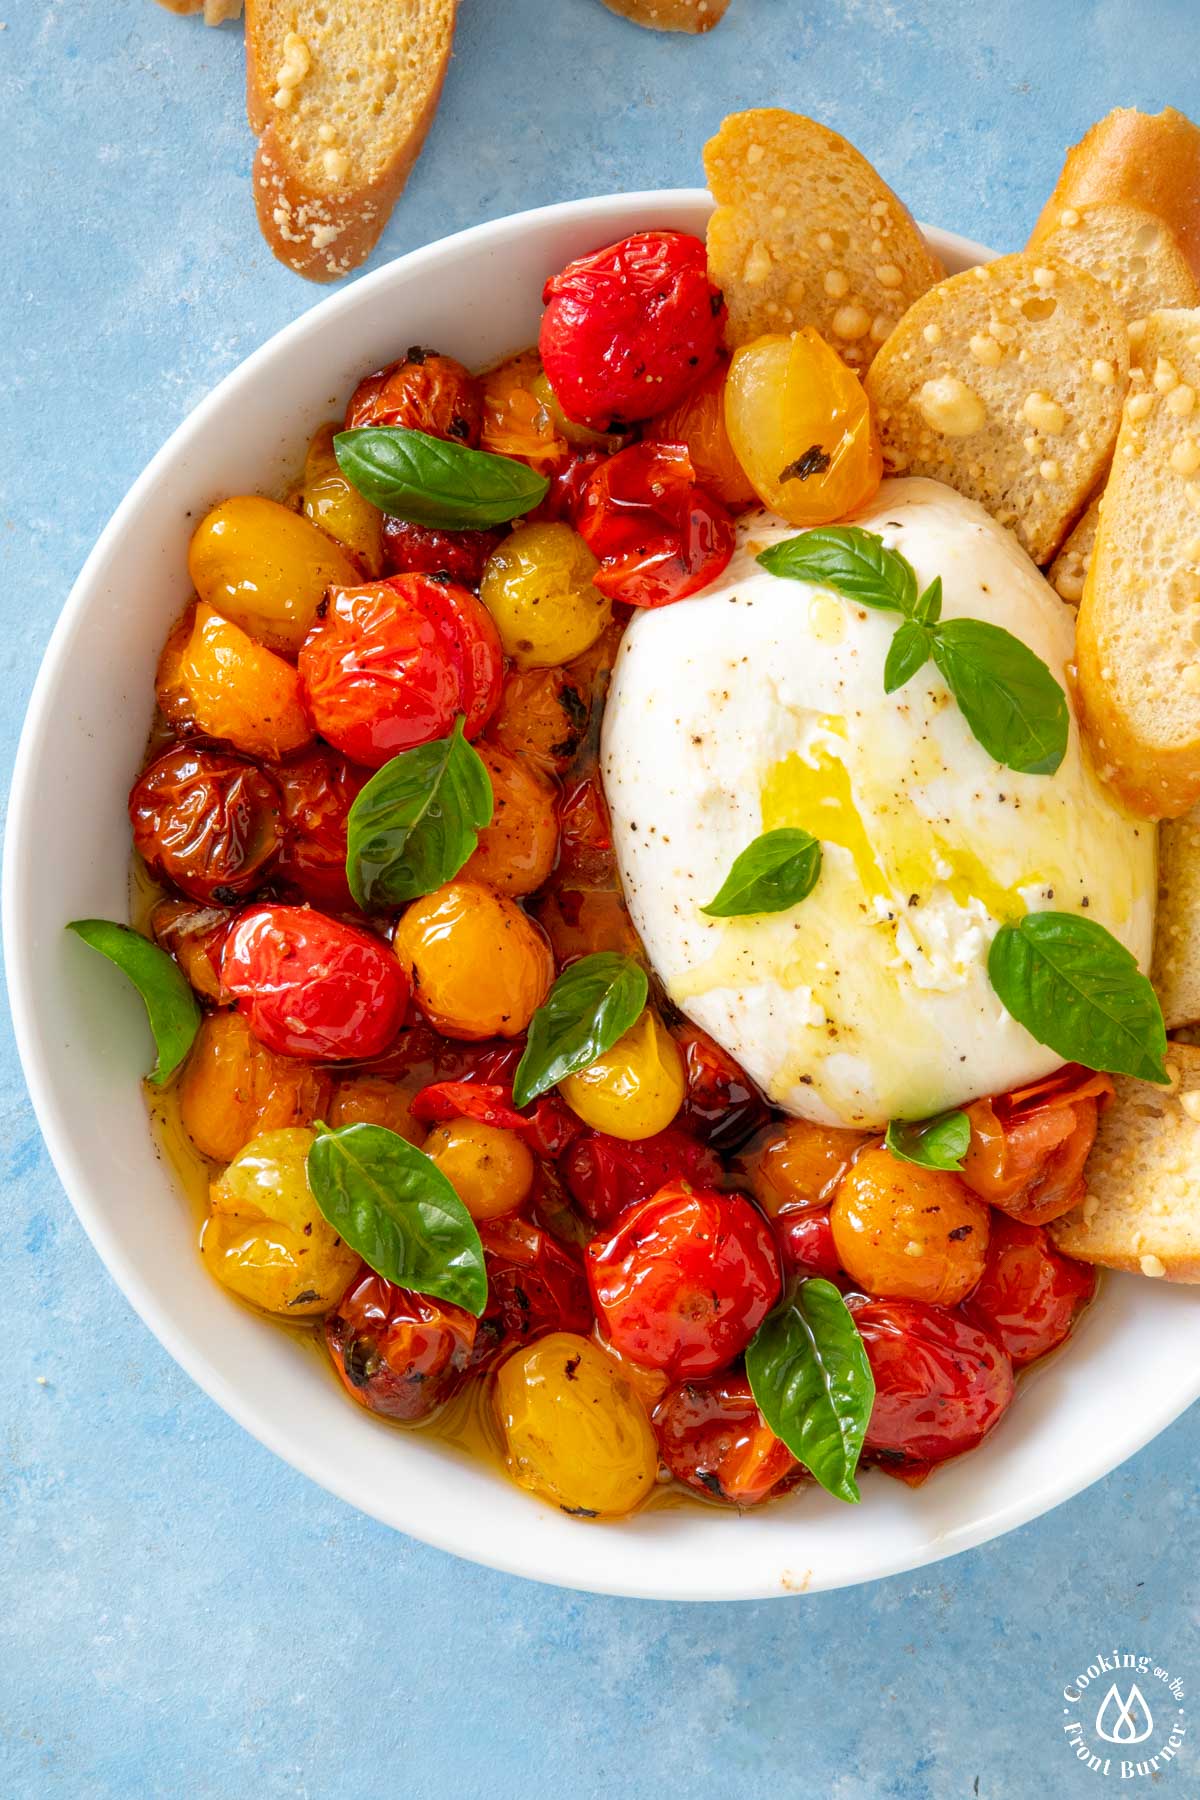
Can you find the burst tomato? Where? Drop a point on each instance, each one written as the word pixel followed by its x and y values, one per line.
pixel 421 550
pixel 941 1383
pixel 391 664
pixel 685 1279
pixel 398 1353
pixel 312 987
pixel 1028 1148
pixel 318 791
pixel 535 1284
pixel 713 1438
pixel 605 1174
pixel 628 329
pixel 658 535
pixel 423 392
pixel 194 936
pixel 805 1238
pixel 209 821
pixel 722 1104
pixel 1029 1293
pixel 568 477
pixel 585 845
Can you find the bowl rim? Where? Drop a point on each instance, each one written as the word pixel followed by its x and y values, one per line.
pixel 16 904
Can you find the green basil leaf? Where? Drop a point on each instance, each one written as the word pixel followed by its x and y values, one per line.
pixel 171 1006
pixel 1007 695
pixel 435 481
pixel 907 652
pixel 391 1203
pixel 939 1143
pixel 774 872
pixel 812 1383
pixel 416 822
pixel 848 559
pixel 1076 989
pixel 590 1006
pixel 928 609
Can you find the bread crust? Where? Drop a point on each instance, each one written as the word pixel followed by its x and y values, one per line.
pixel 670 15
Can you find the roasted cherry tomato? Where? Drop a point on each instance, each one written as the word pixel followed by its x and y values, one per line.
pixel 579 921
pixel 940 1382
pixel 516 852
pixel 398 1353
pixel 194 936
pixel 1028 1148
pixel 333 503
pixel 392 664
pixel 908 1232
pixel 375 1100
pixel 319 788
pixel 585 856
pixel 232 1088
pixel 568 477
pixel 805 1238
pixel 265 1236
pixel 658 535
pixel 420 550
pixel 628 329
pixel 480 966
pixel 208 821
pixel 227 686
pixel 423 392
pixel 633 1089
pixel 490 1170
pixel 698 423
pixel 266 568
pixel 685 1279
pixel 543 716
pixel 713 1438
pixel 517 420
pixel 538 586
pixel 535 1283
pixel 1029 1294
pixel 605 1174
pixel 722 1104
pixel 797 1163
pixel 574 1429
pixel 312 987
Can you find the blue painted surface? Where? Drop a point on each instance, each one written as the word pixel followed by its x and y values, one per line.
pixel 180 1614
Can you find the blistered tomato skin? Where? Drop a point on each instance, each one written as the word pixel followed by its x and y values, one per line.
pixel 266 568
pixel 235 689
pixel 574 1430
pixel 490 1170
pixel 543 716
pixel 907 1232
pixel 632 1090
pixel 398 1353
pixel 604 1175
pixel 712 1438
pixel 659 536
pixel 628 329
pixel 805 1238
pixel 194 936
pixel 538 586
pixel 1028 1149
pixel 685 1279
pixel 586 857
pixel 698 423
pixel 312 987
pixel 941 1383
pixel 480 966
pixel 374 1100
pixel 517 421
pixel 389 666
pixel 798 1163
pixel 580 921
pixel 208 821
pixel 516 852
pixel 337 507
pixel 421 550
pixel 722 1104
pixel 535 1284
pixel 422 392
pixel 265 1236
pixel 1029 1295
pixel 232 1087
pixel 318 787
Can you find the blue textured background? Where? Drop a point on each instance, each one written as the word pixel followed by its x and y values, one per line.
pixel 180 1614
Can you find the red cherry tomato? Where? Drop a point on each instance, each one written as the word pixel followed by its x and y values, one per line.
pixel 1029 1293
pixel 423 392
pixel 312 987
pixel 628 329
pixel 318 789
pixel 605 1174
pixel 685 1280
pixel 805 1239
pixel 547 1126
pixel 940 1382
pixel 390 665
pixel 398 1353
pixel 713 1438
pixel 659 536
pixel 568 479
pixel 535 1283
pixel 1028 1148
pixel 585 845
pixel 420 550
pixel 722 1104
pixel 209 821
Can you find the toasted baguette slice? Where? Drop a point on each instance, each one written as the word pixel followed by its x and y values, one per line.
pixel 341 95
pixel 1142 1209
pixel 1068 572
pixel 806 233
pixel 1176 971
pixel 670 15
pixel 1138 640
pixel 1006 383
pixel 1127 209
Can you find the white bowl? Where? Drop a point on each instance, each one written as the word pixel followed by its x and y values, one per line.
pixel 1135 1361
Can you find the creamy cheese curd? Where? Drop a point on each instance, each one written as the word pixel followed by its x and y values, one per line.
pixel 760 703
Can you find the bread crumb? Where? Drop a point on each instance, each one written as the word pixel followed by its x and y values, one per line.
pixel 1153 1266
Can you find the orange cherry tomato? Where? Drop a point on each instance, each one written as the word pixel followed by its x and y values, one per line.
pixel 516 852
pixel 798 1163
pixel 480 966
pixel 698 423
pixel 516 419
pixel 1028 1148
pixel 237 690
pixel 423 392
pixel 543 715
pixel 908 1232
pixel 233 1088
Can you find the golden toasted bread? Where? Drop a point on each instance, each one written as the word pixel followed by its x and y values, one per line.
pixel 1142 1208
pixel 806 233
pixel 1068 572
pixel 341 96
pixel 670 15
pixel 1176 971
pixel 1006 383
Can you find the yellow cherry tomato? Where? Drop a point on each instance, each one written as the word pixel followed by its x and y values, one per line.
pixel 634 1089
pixel 266 1237
pixel 574 1430
pixel 480 966
pixel 907 1233
pixel 800 425
pixel 537 585
pixel 490 1170
pixel 581 436
pixel 515 421
pixel 266 568
pixel 233 1087
pixel 339 509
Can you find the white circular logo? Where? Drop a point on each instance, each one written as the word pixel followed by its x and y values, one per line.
pixel 1125 1716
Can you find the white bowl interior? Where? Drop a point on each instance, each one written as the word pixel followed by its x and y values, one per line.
pixel 1135 1362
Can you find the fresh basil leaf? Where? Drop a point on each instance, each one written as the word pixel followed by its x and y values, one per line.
pixel 928 609
pixel 848 559
pixel 391 1203
pixel 774 872
pixel 171 1006
pixel 939 1143
pixel 1076 989
pixel 435 481
pixel 907 652
pixel 590 1006
pixel 812 1383
pixel 416 822
pixel 1007 695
